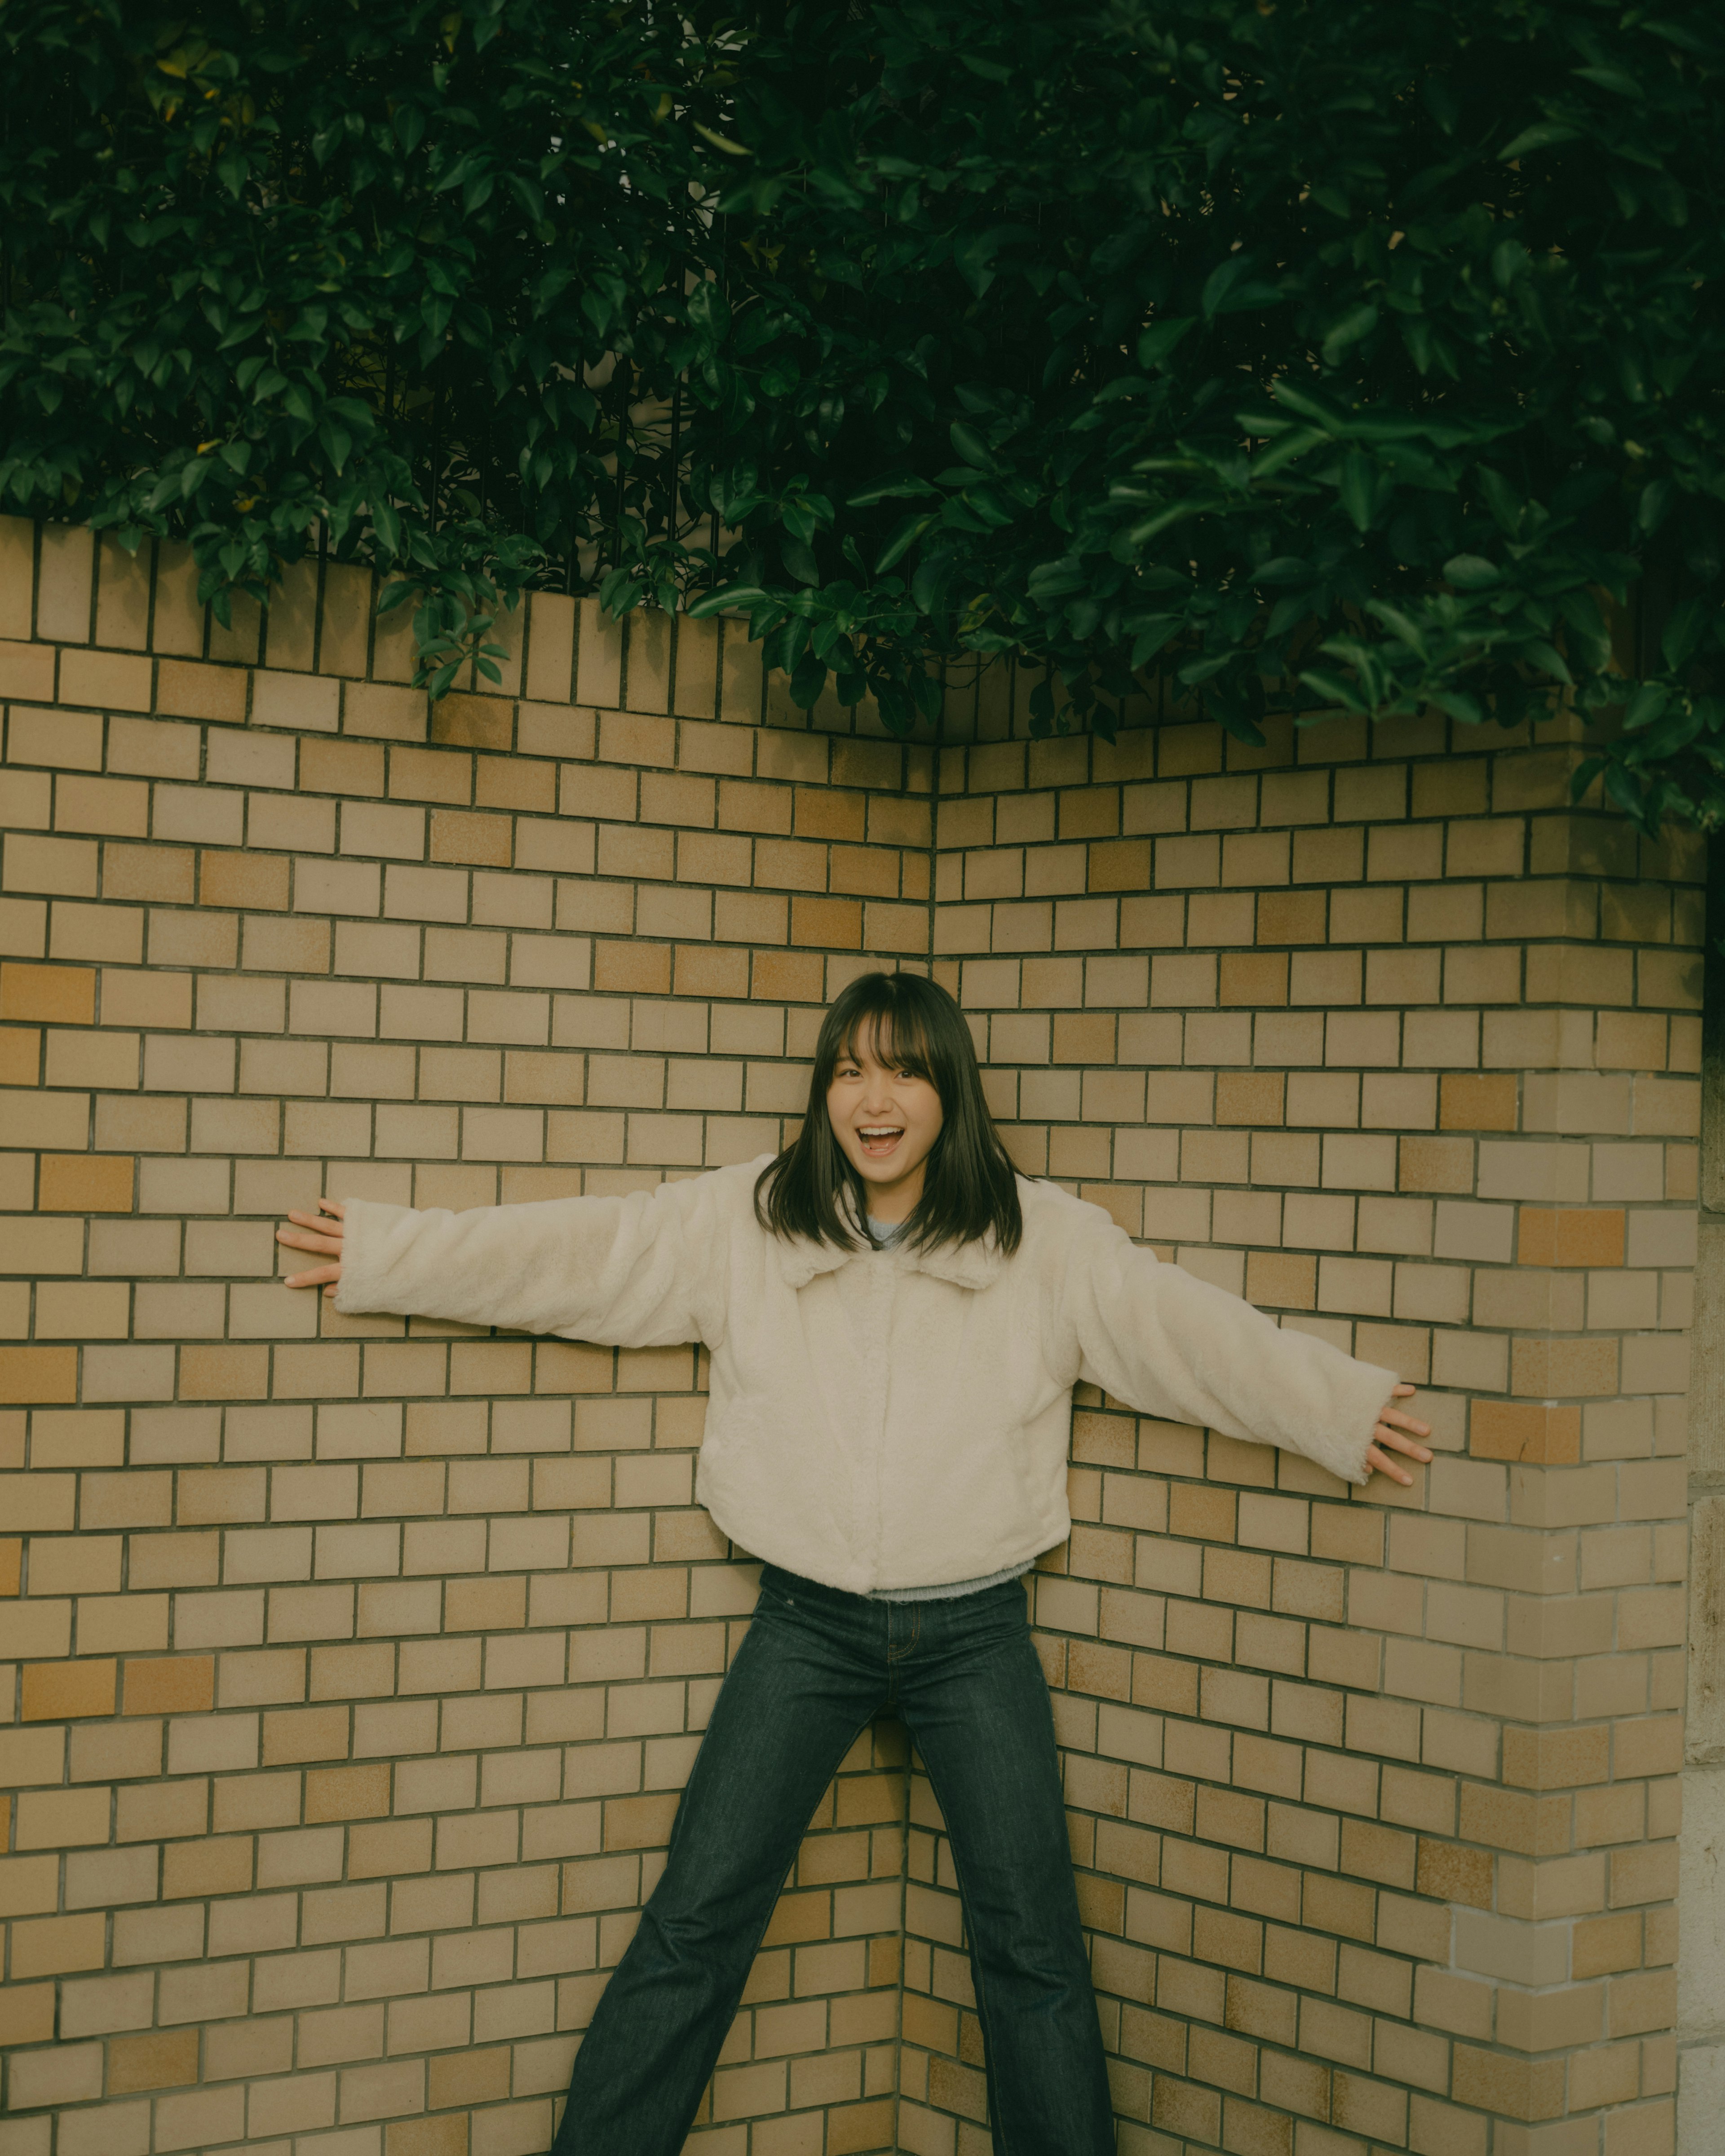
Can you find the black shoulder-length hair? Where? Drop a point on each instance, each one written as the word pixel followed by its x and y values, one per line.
pixel 970 1187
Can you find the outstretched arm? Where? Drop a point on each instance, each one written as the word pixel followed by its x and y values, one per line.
pixel 1169 1344
pixel 647 1270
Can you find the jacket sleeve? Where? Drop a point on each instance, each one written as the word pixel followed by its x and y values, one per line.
pixel 1170 1345
pixel 647 1270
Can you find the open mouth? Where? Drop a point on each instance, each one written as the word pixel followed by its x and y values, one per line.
pixel 877 1139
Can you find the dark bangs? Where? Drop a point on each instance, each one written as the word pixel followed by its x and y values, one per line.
pixel 969 1187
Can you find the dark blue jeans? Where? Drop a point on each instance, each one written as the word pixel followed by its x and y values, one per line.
pixel 816 1667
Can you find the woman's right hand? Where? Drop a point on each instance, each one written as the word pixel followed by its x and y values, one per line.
pixel 313 1231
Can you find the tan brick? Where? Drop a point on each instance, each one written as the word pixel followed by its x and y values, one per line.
pixel 259 882
pixel 52 995
pixel 471 836
pixel 60 1691
pixel 193 690
pixel 164 873
pixel 177 1684
pixel 1259 978
pixel 86 1182
pixel 1451 1873
pixel 26 672
pixel 165 2058
pixel 1570 1236
pixel 1549 1437
pixel 465 721
pixel 37 1377
pixel 1477 1101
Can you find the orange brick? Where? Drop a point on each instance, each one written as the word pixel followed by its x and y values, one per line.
pixel 53 995
pixel 37 1377
pixel 165 2058
pixel 825 813
pixel 67 1692
pixel 462 721
pixel 852 2128
pixel 1282 1279
pixel 1292 916
pixel 12 1560
pixel 1542 1436
pixel 444 2135
pixel 468 2077
pixel 1451 1873
pixel 86 1182
pixel 787 977
pixel 27 2014
pixel 258 882
pixel 27 669
pixel 470 835
pixel 20 1055
pixel 635 969
pixel 833 924
pixel 1253 977
pixel 1470 1101
pixel 171 1684
pixel 1571 1235
pixel 194 689
pixel 1249 1097
pixel 1124 865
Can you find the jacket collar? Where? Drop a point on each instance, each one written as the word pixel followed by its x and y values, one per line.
pixel 965 1265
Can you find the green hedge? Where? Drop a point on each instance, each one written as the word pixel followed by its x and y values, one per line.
pixel 1312 352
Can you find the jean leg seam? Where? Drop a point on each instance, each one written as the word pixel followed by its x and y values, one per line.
pixel 761 1929
pixel 995 2128
pixel 1002 2147
pixel 767 1920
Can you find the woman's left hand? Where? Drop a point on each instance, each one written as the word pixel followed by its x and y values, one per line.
pixel 1397 1432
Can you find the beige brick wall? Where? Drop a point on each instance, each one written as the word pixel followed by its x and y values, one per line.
pixel 1375 1805
pixel 1701 1970
pixel 352 1666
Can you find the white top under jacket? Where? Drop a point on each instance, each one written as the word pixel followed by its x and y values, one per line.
pixel 878 1419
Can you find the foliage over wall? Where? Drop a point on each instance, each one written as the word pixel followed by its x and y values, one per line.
pixel 1310 351
pixel 304 271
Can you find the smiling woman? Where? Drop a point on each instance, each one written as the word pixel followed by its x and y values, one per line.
pixel 907 1133
pixel 890 1429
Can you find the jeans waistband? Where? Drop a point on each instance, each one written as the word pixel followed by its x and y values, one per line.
pixel 839 1598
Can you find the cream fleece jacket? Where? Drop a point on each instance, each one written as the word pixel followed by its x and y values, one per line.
pixel 878 1419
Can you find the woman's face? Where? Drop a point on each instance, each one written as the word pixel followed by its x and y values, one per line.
pixel 887 1120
